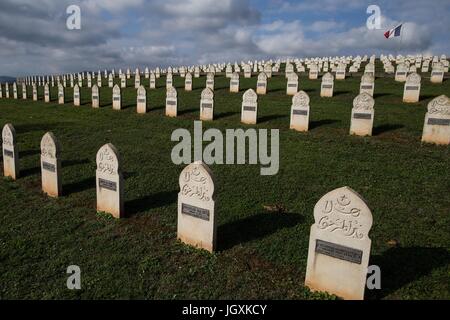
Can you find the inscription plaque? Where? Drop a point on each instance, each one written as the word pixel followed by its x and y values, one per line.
pixel 292 85
pixel 438 122
pixel 195 211
pixel 412 88
pixel 171 102
pixel 247 108
pixel 110 185
pixel 365 116
pixel 338 251
pixel 141 100
pixel 206 105
pixel 327 86
pixel 48 166
pixel 261 85
pixel 366 87
pixel 300 112
pixel 8 153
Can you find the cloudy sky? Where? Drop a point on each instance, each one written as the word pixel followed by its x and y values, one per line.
pixel 139 33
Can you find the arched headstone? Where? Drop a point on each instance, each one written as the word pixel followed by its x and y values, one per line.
pixel 210 80
pixel 437 74
pixel 234 82
pixel 50 165
pixel 109 181
pixel 15 90
pixel 152 81
pixel 249 113
pixel 327 86
pixel 292 84
pixel 35 92
pixel 10 152
pixel 47 93
pixel 137 81
pixel 196 207
pixel 141 100
pixel 340 72
pixel 76 95
pixel 188 82
pixel 313 72
pixel 367 84
pixel 401 73
pixel 169 80
pixel 261 84
pixel 436 128
pixel 95 97
pixel 339 245
pixel 207 104
pixel 362 115
pixel 171 102
pixel 110 80
pixel 411 92
pixel 24 91
pixel 117 98
pixel 300 112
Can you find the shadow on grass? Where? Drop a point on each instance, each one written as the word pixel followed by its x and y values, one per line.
pixel 156 200
pixel 271 117
pixel 340 93
pixel 29 172
pixel 186 111
pixel 386 127
pixel 79 186
pixel 69 163
pixel 254 227
pixel 319 123
pixel 380 95
pixel 26 153
pixel 401 266
pixel 28 127
pixel 225 115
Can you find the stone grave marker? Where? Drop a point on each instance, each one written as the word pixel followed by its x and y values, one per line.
pixel 51 165
pixel 401 73
pixel 152 81
pixel 261 84
pixel 35 92
pixel 109 181
pixel 411 92
pixel 234 82
pixel 117 98
pixel 210 80
pixel 367 84
pixel 10 152
pixel 196 207
pixel 362 115
pixel 300 111
pixel 61 94
pixel 292 84
pixel 171 102
pixel 207 104
pixel 339 245
pixel 327 86
pixel 249 113
pixel 141 100
pixel 437 74
pixel 188 82
pixel 95 97
pixel 436 128
pixel 76 95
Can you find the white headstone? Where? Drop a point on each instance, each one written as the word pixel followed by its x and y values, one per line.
pixel 300 111
pixel 210 80
pixel 261 84
pixel 362 115
pixel 339 245
pixel 292 84
pixel 95 97
pixel 60 94
pixel 436 128
pixel 367 84
pixel 188 82
pixel 437 74
pixel 10 152
pixel 76 95
pixel 196 215
pixel 327 86
pixel 35 92
pixel 401 73
pixel 171 102
pixel 117 98
pixel 51 165
pixel 169 80
pixel 207 104
pixel 234 82
pixel 411 92
pixel 249 113
pixel 24 91
pixel 141 100
pixel 109 181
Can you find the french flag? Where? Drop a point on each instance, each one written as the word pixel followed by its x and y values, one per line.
pixel 395 32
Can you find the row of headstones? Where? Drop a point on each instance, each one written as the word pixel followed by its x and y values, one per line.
pixel 436 127
pixel 339 247
pixel 411 88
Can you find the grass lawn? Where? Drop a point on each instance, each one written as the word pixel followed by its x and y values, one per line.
pixel 260 254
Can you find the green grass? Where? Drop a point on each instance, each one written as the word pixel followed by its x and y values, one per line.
pixel 261 254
